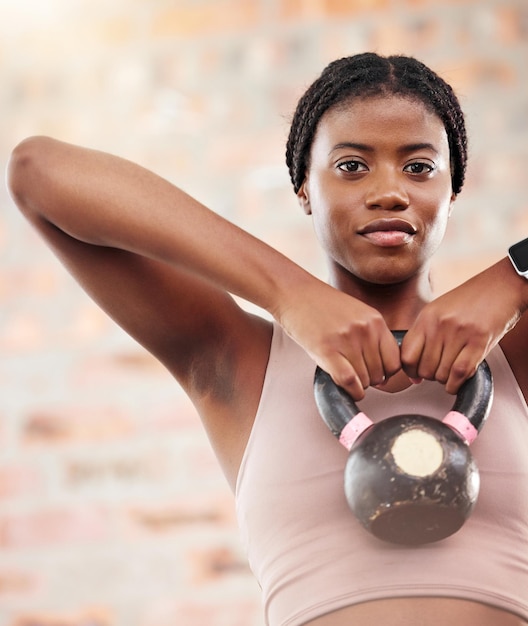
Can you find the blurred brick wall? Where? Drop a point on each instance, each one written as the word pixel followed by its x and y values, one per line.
pixel 113 511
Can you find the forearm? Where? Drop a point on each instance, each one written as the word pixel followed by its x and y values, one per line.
pixel 455 332
pixel 108 201
pixel 505 292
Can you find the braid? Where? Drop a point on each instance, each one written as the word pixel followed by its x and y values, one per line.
pixel 332 87
pixel 417 80
pixel 366 75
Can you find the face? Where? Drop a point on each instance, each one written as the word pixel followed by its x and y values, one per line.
pixel 379 189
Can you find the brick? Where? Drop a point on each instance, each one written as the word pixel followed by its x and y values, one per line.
pixel 190 612
pixel 202 463
pixel 118 471
pixel 32 281
pixel 53 527
pixel 309 9
pixel 512 24
pixel 76 424
pixel 208 565
pixel 18 480
pixel 342 8
pixel 469 75
pixel 520 223
pixel 117 30
pixel 4 442
pixel 245 152
pixel 167 518
pixel 117 369
pixel 192 19
pixel 451 273
pixel 300 9
pixel 83 617
pixel 179 418
pixel 418 4
pixel 394 36
pixel 17 582
pixel 22 331
pixel 87 322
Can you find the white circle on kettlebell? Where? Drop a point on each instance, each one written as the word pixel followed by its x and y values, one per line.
pixel 417 453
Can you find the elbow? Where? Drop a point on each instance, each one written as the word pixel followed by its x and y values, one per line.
pixel 22 171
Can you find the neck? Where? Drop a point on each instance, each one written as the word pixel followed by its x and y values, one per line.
pixel 399 303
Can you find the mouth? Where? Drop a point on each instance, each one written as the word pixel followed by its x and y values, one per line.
pixel 388 232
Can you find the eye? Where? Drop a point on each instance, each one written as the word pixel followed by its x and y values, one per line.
pixel 352 167
pixel 419 168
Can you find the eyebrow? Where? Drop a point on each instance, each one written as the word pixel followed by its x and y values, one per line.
pixel 362 147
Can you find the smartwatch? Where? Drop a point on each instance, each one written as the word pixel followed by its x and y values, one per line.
pixel 518 254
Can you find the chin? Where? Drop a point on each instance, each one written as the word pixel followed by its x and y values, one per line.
pixel 386 273
pixel 387 279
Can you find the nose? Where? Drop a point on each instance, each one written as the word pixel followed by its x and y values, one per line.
pixel 387 191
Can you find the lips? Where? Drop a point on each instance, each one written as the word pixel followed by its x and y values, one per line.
pixel 388 232
pixel 388 225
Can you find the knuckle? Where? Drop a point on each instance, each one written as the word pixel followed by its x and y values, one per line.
pixel 348 379
pixel 377 379
pixel 352 385
pixel 442 376
pixel 427 372
pixel 407 362
pixel 392 368
pixel 461 370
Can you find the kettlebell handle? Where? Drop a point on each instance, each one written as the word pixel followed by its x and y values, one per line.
pixel 347 422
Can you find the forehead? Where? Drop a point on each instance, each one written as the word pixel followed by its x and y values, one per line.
pixel 381 119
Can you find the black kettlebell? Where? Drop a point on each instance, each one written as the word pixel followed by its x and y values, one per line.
pixel 409 479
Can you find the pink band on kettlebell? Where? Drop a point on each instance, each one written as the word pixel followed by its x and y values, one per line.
pixel 357 425
pixel 463 427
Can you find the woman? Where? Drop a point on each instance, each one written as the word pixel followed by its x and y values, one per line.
pixel 377 155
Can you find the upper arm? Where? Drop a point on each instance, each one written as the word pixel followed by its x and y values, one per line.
pixel 129 238
pixel 217 351
pixel 195 329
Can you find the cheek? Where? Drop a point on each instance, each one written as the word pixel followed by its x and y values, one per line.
pixel 333 213
pixel 437 228
pixel 331 227
pixel 323 218
pixel 323 229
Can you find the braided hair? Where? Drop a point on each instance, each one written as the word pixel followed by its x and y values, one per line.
pixel 369 74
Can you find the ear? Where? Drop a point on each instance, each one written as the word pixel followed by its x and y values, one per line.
pixel 304 198
pixel 451 203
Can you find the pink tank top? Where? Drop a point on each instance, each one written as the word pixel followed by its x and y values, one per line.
pixel 305 547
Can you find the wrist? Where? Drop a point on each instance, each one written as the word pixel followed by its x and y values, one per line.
pixel 518 255
pixel 516 283
pixel 291 288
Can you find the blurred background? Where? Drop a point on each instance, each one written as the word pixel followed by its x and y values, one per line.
pixel 113 511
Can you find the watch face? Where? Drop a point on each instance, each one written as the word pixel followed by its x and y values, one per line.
pixel 519 255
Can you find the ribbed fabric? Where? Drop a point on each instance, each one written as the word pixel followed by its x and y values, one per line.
pixel 305 547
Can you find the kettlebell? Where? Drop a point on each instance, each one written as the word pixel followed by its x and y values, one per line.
pixel 409 479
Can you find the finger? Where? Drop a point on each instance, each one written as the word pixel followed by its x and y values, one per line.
pixel 434 361
pixel 390 355
pixel 412 348
pixel 464 366
pixel 373 361
pixel 450 353
pixel 430 358
pixel 345 375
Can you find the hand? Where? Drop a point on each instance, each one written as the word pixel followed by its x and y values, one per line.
pixel 455 332
pixel 347 338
